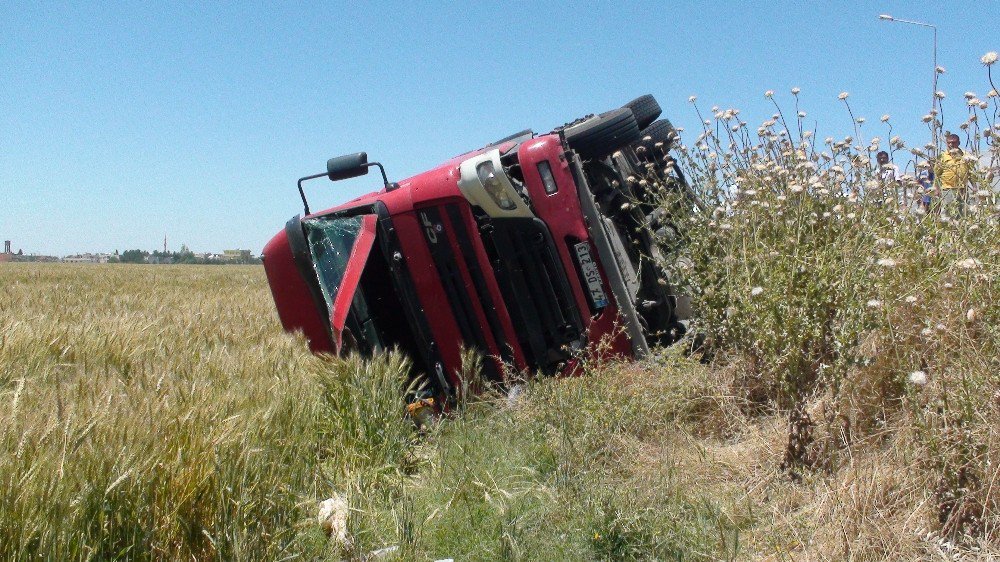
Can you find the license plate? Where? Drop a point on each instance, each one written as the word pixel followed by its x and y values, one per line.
pixel 591 275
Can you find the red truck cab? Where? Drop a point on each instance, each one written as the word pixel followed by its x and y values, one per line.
pixel 509 250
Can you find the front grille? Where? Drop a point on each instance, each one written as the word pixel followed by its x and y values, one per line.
pixel 449 267
pixel 535 289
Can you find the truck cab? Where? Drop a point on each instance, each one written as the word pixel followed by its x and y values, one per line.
pixel 526 251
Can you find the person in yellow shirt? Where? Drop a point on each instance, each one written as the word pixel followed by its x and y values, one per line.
pixel 952 174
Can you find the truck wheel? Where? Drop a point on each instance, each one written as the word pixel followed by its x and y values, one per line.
pixel 601 135
pixel 645 108
pixel 660 130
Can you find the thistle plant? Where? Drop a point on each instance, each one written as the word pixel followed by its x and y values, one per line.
pixel 831 287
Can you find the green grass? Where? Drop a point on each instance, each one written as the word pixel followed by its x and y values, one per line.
pixel 160 413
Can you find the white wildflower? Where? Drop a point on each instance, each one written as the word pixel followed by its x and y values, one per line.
pixel 927 118
pixel 769 94
pixel 970 95
pixel 939 70
pixel 968 263
pixel 971 315
pixel 926 332
pixel 802 114
pixel 989 58
pixel 911 299
pixel 843 96
pixel 796 90
pixel 756 291
pixel 885 118
pixel 860 120
pixel 693 99
pixel 918 378
pixel 874 303
pixel 939 95
pixel 887 262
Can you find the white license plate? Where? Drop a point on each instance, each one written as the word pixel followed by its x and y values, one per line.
pixel 590 274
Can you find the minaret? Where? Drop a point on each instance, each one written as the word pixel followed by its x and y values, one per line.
pixel 164 243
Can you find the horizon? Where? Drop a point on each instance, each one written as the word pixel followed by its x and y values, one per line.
pixel 128 123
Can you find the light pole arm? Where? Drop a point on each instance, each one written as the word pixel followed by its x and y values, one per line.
pixel 920 23
pixel 887 17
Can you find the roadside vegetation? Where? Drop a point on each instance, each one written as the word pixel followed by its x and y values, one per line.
pixel 836 400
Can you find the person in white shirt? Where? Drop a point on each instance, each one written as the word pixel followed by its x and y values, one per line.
pixel 891 178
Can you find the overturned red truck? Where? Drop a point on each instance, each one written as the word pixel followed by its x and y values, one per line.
pixel 527 250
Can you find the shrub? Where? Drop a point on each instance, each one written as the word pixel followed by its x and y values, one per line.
pixel 845 305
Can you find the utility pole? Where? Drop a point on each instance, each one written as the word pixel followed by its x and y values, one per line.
pixel 934 100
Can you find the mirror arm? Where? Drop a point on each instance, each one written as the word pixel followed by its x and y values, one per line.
pixel 302 193
pixel 385 178
pixel 305 204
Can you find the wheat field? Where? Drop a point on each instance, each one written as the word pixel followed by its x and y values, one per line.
pixel 151 412
pixel 160 413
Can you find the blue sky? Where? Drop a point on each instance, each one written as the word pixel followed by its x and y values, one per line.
pixel 124 122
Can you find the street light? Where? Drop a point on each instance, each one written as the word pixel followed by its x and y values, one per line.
pixel 887 17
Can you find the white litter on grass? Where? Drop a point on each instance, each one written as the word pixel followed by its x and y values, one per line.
pixel 333 518
pixel 918 378
pixel 514 394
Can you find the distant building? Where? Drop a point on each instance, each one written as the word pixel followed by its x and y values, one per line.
pixel 7 255
pixel 87 258
pixel 237 256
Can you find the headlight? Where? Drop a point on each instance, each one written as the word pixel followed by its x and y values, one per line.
pixel 484 183
pixel 487 175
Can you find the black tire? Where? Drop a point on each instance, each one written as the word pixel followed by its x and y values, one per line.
pixel 601 135
pixel 645 108
pixel 661 130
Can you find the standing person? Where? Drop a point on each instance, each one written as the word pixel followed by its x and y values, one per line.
pixel 891 178
pixel 953 174
pixel 926 180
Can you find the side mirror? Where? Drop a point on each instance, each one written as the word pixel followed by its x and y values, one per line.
pixel 347 166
